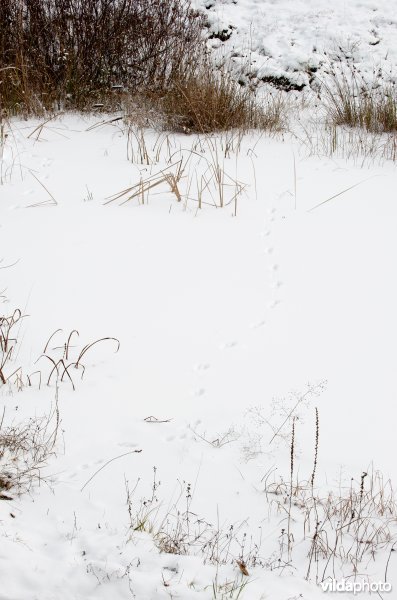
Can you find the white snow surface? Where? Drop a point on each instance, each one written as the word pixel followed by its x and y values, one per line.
pixel 294 40
pixel 223 320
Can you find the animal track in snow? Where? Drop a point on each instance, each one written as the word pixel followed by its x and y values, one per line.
pixel 258 324
pixel 127 445
pixel 47 162
pixel 202 367
pixel 274 303
pixel 198 392
pixel 227 345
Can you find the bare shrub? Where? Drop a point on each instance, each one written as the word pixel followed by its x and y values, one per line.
pixel 148 56
pixel 74 54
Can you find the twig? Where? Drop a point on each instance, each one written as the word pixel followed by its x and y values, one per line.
pixel 340 193
pixel 108 463
pixel 153 419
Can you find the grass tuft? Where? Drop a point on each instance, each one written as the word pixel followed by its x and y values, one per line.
pixel 209 100
pixel 351 100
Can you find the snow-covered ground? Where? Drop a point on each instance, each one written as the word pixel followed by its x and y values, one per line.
pixel 293 43
pixel 234 324
pixel 245 289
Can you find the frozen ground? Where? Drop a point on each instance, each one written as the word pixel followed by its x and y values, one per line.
pixel 225 322
pixel 293 43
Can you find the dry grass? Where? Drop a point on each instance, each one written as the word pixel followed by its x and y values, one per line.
pixel 343 530
pixel 363 148
pixel 66 357
pixel 346 532
pixel 356 118
pixel 177 529
pixel 194 175
pixel 61 358
pixel 25 449
pixel 26 446
pixel 209 100
pixel 150 60
pixel 9 326
pixel 229 589
pixel 351 100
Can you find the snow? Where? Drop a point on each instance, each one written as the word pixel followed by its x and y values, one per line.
pixel 224 323
pixel 295 40
pixel 235 322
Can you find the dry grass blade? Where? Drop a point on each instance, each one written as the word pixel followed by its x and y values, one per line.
pixel 51 202
pixel 88 346
pixel 173 183
pixel 104 122
pixel 340 193
pixel 49 339
pixel 108 463
pixel 67 345
pixel 153 419
pixel 144 186
pixel 38 130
